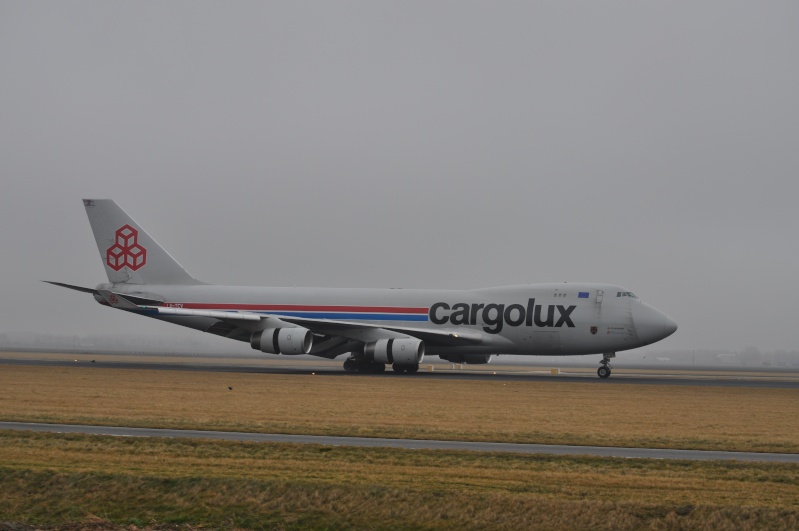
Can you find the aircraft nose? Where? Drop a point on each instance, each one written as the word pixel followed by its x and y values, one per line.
pixel 671 325
pixel 650 324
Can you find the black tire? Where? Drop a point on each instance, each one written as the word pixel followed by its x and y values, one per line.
pixel 350 365
pixel 413 368
pixel 603 372
pixel 398 368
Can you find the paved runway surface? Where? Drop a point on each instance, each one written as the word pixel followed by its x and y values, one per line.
pixel 535 374
pixel 646 453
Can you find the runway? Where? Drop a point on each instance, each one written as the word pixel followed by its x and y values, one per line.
pixel 334 369
pixel 409 444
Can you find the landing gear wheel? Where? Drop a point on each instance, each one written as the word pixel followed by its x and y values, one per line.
pixel 369 367
pixel 350 365
pixel 604 370
pixel 404 368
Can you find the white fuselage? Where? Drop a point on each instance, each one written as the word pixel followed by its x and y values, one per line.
pixel 536 319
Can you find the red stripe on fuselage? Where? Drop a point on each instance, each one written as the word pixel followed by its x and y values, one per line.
pixel 293 308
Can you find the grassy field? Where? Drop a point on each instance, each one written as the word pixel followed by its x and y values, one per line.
pixel 91 482
pixel 746 419
pixel 54 479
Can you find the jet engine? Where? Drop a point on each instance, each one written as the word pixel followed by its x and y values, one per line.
pixel 404 351
pixel 473 359
pixel 283 340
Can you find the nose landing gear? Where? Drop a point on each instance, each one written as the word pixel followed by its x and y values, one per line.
pixel 605 370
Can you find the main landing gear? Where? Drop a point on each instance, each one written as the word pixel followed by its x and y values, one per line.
pixel 398 368
pixel 604 370
pixel 353 364
pixel 356 365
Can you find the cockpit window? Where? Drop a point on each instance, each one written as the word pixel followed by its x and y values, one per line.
pixel 626 294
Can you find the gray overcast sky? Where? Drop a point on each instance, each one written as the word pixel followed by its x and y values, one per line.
pixel 410 144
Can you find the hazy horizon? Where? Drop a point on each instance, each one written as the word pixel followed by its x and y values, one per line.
pixel 412 144
pixel 125 344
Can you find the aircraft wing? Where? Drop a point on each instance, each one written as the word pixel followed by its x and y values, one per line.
pixel 216 314
pixel 123 303
pixel 347 329
pixel 371 332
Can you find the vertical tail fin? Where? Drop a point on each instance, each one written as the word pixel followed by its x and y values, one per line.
pixel 129 254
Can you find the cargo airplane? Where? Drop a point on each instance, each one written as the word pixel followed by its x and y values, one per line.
pixel 373 327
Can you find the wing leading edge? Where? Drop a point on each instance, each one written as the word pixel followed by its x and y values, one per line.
pixel 250 321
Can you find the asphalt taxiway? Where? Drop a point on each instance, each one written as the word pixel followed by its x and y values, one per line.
pixel 409 444
pixel 498 372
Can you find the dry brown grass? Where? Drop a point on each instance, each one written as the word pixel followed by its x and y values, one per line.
pixel 57 478
pixel 541 412
pixel 589 478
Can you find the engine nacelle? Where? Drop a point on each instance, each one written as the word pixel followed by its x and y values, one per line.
pixel 283 340
pixel 403 351
pixel 473 359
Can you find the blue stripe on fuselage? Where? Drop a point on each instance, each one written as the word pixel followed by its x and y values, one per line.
pixel 353 316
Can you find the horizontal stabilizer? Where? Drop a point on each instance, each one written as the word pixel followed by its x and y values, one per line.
pixel 70 286
pixel 135 299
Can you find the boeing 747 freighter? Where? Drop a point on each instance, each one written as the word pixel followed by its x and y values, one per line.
pixel 373 327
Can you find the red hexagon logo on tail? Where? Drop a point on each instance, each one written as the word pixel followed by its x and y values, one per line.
pixel 126 251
